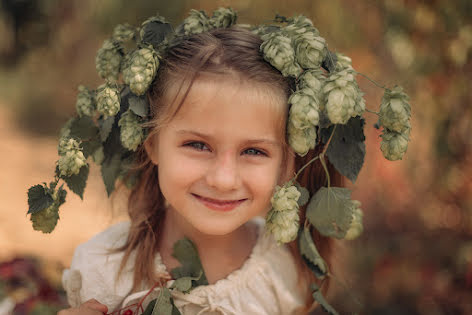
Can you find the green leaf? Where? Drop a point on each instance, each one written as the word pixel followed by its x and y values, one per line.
pixel 83 128
pixel 90 146
pixel 346 150
pixel 149 307
pixel 155 32
pixel 61 196
pixel 111 168
pixel 310 254
pixel 186 253
pixel 304 195
pixel 318 296
pixel 330 211
pixel 105 127
pixel 77 183
pixel 163 304
pixel 38 199
pixel 139 105
pixel 184 284
pixel 329 62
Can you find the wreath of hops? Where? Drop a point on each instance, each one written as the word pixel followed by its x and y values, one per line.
pixel 326 107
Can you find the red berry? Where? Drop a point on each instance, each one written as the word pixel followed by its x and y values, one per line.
pixel 128 312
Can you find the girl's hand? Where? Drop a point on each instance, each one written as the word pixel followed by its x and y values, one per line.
pixel 91 307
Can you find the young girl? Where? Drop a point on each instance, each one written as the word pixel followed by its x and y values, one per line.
pixel 228 111
pixel 209 168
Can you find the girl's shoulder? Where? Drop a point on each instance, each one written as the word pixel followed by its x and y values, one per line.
pixel 94 269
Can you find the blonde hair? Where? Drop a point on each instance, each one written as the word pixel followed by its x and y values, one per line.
pixel 230 52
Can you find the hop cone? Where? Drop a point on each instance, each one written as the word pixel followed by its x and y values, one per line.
pixel 298 26
pixel 131 134
pixel 313 79
pixel 344 62
pixel 395 110
pixel 283 225
pixel 282 220
pixel 45 220
pixel 278 51
pixel 394 144
pixel 71 157
pixel 304 112
pixel 285 198
pixel 356 227
pixel 223 18
pixel 108 100
pixel 108 60
pixel 85 103
pixel 343 97
pixel 301 140
pixel 123 33
pixel 310 50
pixel 196 22
pixel 141 70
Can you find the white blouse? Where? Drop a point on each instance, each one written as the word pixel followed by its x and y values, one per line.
pixel 265 284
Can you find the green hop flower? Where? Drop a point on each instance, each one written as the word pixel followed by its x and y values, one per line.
pixel 285 198
pixel 395 110
pixel 71 157
pixel 344 62
pixel 85 105
pixel 394 144
pixel 223 18
pixel 302 21
pixel 108 100
pixel 313 79
pixel 131 134
pixel 343 97
pixel 304 112
pixel 301 140
pixel 141 70
pixel 356 226
pixel 196 22
pixel 278 51
pixel 46 219
pixel 299 25
pixel 123 33
pixel 310 50
pixel 108 60
pixel 283 225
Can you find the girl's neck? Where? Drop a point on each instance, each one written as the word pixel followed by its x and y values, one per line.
pixel 220 255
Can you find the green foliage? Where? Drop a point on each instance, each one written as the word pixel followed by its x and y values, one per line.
pixel 184 284
pixel 155 30
pixel 139 105
pixel 304 195
pixel 77 183
pixel 318 296
pixel 106 125
pixel 111 168
pixel 38 198
pixel 330 211
pixel 310 254
pixel 346 151
pixel 186 253
pixel 83 128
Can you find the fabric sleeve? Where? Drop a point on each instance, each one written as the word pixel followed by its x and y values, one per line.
pixel 94 267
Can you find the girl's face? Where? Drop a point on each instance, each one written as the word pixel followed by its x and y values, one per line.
pixel 221 156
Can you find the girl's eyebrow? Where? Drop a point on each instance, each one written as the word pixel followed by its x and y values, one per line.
pixel 251 141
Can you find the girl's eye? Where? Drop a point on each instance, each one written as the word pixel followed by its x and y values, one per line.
pixel 253 151
pixel 200 146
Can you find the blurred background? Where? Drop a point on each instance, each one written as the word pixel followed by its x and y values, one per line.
pixel 415 256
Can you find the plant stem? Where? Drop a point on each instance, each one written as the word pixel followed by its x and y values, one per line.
pixel 377 84
pixel 371 111
pixel 304 166
pixel 323 162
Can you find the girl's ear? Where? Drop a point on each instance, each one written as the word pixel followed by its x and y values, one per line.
pixel 150 145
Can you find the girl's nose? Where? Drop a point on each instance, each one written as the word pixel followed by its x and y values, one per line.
pixel 223 174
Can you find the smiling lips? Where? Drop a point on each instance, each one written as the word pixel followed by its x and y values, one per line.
pixel 219 205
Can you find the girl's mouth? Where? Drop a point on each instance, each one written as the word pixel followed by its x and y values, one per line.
pixel 219 205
